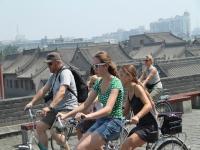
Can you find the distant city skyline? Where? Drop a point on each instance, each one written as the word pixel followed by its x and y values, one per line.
pixel 86 18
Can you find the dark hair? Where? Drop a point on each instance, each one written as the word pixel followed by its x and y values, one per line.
pixel 92 71
pixel 105 58
pixel 132 71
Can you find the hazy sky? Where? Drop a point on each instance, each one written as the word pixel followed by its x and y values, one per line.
pixel 86 18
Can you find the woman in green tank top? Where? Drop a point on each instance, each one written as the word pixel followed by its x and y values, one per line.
pixel 110 93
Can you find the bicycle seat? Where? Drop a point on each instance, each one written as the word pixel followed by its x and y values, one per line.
pixel 164 97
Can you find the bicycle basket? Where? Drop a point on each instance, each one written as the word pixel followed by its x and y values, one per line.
pixel 172 123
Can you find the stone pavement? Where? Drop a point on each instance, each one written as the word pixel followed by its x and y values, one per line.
pixel 191 125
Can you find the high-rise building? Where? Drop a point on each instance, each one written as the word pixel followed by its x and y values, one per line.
pixel 179 25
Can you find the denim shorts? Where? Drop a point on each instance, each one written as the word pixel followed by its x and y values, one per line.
pixel 107 127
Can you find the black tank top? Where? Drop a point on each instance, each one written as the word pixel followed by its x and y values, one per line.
pixel 136 106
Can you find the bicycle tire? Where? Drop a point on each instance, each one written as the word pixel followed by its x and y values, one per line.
pixel 172 144
pixel 163 107
pixel 66 133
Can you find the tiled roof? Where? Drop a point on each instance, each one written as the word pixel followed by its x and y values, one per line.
pixel 67 54
pixel 9 60
pixel 24 59
pixel 164 36
pixel 113 50
pixel 181 67
pixel 143 51
pixel 194 50
pixel 196 41
pixel 172 52
pixel 39 65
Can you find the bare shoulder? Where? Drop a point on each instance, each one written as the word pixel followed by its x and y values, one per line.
pixel 138 90
pixel 131 89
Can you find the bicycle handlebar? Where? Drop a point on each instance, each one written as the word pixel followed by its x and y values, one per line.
pixel 126 122
pixel 72 122
pixel 32 113
pixel 60 122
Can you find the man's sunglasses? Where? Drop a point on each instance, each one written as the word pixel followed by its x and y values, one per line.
pixel 95 66
pixel 49 64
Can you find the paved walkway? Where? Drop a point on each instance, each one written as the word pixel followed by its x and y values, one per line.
pixel 191 125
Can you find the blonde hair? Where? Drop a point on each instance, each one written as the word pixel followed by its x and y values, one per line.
pixel 149 57
pixel 92 80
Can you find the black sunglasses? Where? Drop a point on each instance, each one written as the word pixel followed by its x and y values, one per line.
pixel 49 64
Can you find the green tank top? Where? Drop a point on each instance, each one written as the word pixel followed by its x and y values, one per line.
pixel 103 97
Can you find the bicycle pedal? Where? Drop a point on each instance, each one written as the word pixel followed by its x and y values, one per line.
pixel 23 147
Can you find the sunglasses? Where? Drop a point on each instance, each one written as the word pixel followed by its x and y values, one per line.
pixel 49 64
pixel 95 66
pixel 146 60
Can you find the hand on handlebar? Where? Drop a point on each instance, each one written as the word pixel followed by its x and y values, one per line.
pixel 61 115
pixel 134 120
pixel 80 116
pixel 28 106
pixel 45 110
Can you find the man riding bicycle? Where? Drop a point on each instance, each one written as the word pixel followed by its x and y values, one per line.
pixel 61 99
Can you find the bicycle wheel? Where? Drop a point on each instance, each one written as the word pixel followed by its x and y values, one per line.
pixel 65 136
pixel 163 107
pixel 172 144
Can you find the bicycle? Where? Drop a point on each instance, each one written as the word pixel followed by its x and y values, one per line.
pixel 115 144
pixel 32 139
pixel 64 128
pixel 168 139
pixel 168 136
pixel 162 106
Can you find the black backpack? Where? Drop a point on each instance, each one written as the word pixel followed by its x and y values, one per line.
pixel 81 86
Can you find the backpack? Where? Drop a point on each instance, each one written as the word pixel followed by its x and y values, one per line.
pixel 81 86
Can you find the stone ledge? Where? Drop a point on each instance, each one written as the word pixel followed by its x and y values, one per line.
pixel 10 130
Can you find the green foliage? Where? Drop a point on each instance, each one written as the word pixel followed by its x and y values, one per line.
pixel 10 49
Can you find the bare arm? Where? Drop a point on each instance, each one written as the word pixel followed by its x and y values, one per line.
pixel 150 76
pixel 59 96
pixel 107 109
pixel 126 108
pixel 139 92
pixel 92 96
pixel 40 94
pixel 141 77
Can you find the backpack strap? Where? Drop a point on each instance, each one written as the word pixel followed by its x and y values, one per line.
pixel 68 88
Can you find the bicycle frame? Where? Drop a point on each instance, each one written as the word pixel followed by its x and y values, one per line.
pixel 33 137
pixel 115 144
pixel 64 128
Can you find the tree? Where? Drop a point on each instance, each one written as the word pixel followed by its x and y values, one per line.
pixel 10 49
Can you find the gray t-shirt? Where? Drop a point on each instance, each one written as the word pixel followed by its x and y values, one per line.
pixel 65 77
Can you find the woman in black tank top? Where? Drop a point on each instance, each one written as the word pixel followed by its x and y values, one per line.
pixel 139 101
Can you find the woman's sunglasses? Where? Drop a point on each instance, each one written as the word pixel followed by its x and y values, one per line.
pixel 95 66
